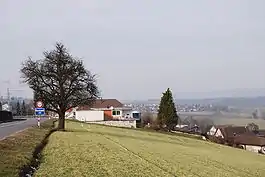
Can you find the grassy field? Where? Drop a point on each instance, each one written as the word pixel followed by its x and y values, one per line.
pixel 95 150
pixel 16 151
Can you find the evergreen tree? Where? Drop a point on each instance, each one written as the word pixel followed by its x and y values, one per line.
pixel 18 109
pixel 24 111
pixel 167 115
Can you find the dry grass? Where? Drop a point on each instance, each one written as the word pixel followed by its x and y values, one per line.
pixel 95 150
pixel 16 151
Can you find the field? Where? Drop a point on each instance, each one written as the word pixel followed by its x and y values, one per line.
pixel 94 150
pixel 240 122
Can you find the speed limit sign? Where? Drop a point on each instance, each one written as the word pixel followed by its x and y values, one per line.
pixel 39 104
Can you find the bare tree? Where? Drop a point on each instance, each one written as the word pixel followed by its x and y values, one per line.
pixel 205 124
pixel 60 81
pixel 147 118
pixel 253 127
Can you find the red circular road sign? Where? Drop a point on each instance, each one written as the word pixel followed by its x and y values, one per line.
pixel 39 104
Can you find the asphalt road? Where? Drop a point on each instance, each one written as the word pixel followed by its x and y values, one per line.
pixel 9 128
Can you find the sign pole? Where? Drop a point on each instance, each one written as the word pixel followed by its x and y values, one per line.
pixel 39 122
pixel 39 111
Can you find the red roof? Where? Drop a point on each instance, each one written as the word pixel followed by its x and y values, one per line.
pixel 103 103
pixel 231 131
pixel 247 139
pixel 69 110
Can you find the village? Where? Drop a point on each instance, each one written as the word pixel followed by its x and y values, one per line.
pixel 112 112
pixel 242 137
pixel 132 88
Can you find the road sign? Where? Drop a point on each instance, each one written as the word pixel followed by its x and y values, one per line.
pixel 40 111
pixel 39 104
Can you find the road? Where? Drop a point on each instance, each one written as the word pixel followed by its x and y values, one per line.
pixel 9 128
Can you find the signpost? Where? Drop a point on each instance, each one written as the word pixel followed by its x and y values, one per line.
pixel 39 104
pixel 39 111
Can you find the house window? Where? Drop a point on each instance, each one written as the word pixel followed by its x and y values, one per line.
pixel 136 115
pixel 116 113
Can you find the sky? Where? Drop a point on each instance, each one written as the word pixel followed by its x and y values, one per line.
pixel 140 48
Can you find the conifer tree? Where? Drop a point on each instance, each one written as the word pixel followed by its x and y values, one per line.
pixel 23 111
pixel 167 115
pixel 18 109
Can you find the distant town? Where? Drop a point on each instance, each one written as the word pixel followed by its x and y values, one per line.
pixel 230 107
pixel 187 107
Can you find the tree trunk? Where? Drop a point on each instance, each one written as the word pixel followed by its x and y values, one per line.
pixel 61 125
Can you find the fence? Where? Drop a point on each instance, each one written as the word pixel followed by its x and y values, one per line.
pixel 118 123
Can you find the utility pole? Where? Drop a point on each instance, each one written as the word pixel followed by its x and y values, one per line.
pixel 8 96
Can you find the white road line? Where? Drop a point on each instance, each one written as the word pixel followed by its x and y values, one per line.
pixel 9 125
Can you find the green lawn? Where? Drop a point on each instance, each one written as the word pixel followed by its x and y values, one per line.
pixel 95 150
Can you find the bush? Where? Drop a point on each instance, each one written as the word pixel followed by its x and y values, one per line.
pixel 215 139
pixel 17 151
pixel 147 119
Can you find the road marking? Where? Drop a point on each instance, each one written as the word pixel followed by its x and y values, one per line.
pixel 9 125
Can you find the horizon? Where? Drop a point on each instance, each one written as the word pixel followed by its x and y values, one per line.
pixel 261 93
pixel 140 48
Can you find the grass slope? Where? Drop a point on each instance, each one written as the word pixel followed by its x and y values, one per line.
pixel 95 150
pixel 17 150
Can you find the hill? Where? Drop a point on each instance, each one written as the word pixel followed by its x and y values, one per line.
pixel 95 150
pixel 238 102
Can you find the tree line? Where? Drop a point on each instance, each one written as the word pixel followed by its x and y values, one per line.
pixel 21 109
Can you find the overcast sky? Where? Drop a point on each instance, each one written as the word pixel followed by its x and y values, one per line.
pixel 138 48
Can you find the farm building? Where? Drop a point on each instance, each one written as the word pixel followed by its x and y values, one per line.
pixel 239 137
pixel 226 131
pixel 250 142
pixel 104 109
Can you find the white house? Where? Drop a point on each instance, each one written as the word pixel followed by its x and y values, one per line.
pixel 89 116
pixel 112 110
pixel 217 131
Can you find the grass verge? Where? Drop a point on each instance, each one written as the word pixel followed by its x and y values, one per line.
pixel 177 133
pixel 94 150
pixel 18 150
